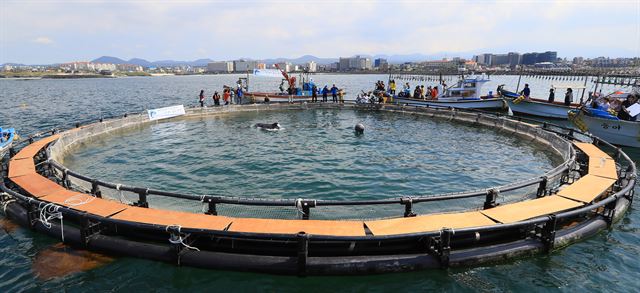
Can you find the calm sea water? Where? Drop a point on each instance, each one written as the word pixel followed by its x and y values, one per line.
pixel 330 162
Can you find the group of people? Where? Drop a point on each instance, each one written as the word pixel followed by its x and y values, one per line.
pixel 615 106
pixel 568 95
pixel 228 94
pixel 337 95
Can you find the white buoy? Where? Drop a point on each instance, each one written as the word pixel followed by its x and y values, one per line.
pixel 359 128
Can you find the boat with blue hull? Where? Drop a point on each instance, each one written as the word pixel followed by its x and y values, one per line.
pixel 465 94
pixel 7 137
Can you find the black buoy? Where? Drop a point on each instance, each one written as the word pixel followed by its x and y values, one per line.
pixel 359 128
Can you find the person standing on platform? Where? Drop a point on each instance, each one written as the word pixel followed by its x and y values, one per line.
pixel 314 94
pixel 226 96
pixel 240 95
pixel 216 99
pixel 392 87
pixel 334 93
pixel 434 93
pixel 568 97
pixel 552 95
pixel 201 98
pixel 325 92
pixel 341 96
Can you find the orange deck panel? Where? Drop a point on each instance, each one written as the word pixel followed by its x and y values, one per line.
pixel 603 167
pixel 37 185
pixel 591 150
pixel 86 203
pixel 317 227
pixel 166 218
pixel 520 211
pixel 428 223
pixel 31 150
pixel 19 168
pixel 587 188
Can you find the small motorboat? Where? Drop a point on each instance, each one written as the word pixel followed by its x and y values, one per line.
pixel 7 136
pixel 465 94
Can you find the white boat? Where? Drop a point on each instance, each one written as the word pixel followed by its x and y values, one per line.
pixel 538 108
pixel 465 94
pixel 610 129
pixel 6 140
pixel 535 107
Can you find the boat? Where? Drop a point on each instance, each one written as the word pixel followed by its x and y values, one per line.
pixel 297 89
pixel 535 107
pixel 605 124
pixel 7 137
pixel 465 94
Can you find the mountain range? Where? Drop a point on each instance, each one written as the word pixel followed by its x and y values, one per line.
pixel 393 59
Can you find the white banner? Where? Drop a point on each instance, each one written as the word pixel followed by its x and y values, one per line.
pixel 166 112
pixel 267 72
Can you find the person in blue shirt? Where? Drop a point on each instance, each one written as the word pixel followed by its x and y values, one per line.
pixel 240 95
pixel 325 92
pixel 334 93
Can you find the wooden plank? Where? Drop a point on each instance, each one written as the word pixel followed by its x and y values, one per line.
pixel 19 168
pixel 37 185
pixel 603 167
pixel 167 218
pixel 521 211
pixel 591 150
pixel 587 188
pixel 315 227
pixel 428 223
pixel 31 150
pixel 85 203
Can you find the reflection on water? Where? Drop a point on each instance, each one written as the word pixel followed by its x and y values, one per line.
pixel 60 260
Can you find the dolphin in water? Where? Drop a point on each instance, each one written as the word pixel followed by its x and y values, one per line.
pixel 268 126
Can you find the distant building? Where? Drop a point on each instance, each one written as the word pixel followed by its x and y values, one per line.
pixel 220 67
pixel 286 66
pixel 548 56
pixel 312 66
pixel 442 64
pixel 354 63
pixel 129 67
pixel 244 65
pixel 514 59
pixel 500 59
pixel 261 66
pixel 380 63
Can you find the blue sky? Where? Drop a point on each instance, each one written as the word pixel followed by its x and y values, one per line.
pixel 42 32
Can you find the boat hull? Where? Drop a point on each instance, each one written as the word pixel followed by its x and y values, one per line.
pixel 460 104
pixel 619 132
pixel 259 97
pixel 540 109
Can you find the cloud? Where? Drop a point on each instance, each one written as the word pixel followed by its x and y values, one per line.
pixel 222 30
pixel 43 40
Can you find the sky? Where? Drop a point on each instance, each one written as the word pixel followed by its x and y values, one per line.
pixel 45 32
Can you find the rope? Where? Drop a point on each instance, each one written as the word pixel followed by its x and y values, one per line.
pixel 204 205
pixel 299 207
pixel 121 196
pixel 177 237
pixel 49 212
pixel 77 200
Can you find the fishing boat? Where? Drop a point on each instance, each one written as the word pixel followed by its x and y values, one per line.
pixel 536 107
pixel 606 126
pixel 465 94
pixel 6 140
pixel 296 89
